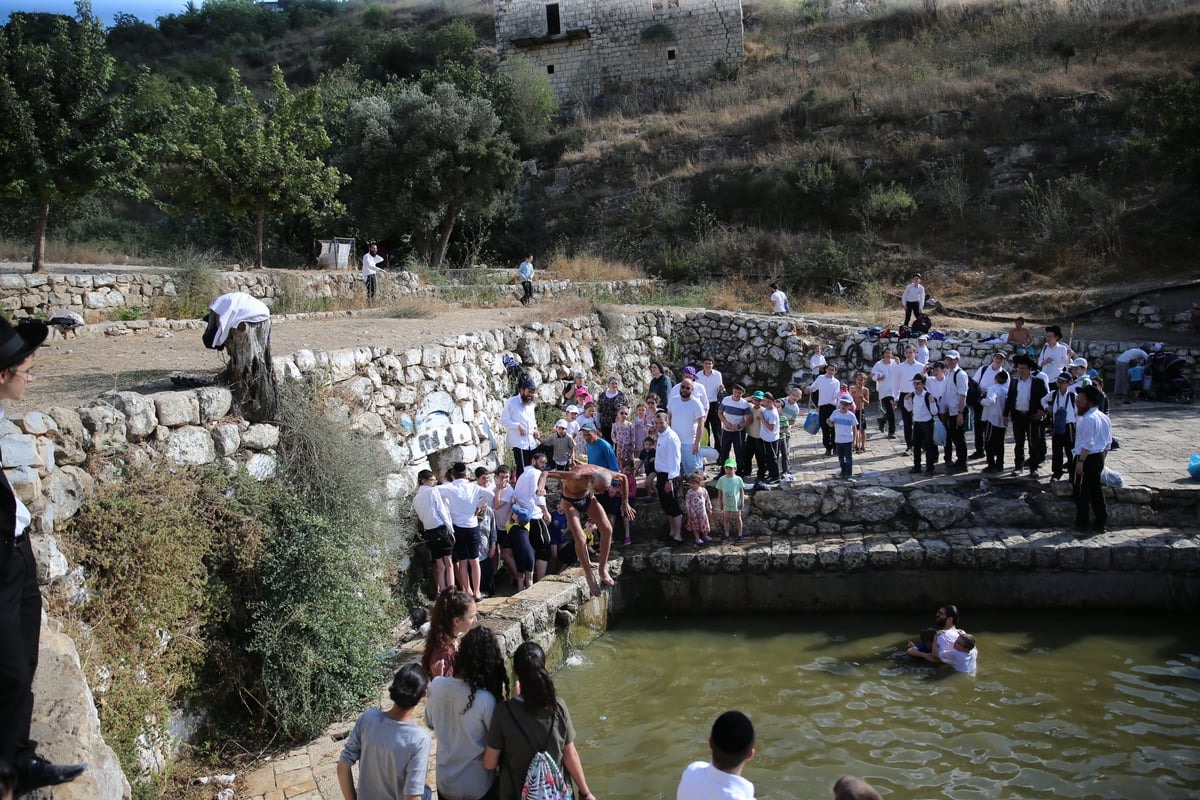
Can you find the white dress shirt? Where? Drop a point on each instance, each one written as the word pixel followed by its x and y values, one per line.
pixel 887 378
pixel 515 414
pixel 668 453
pixel 985 376
pixel 711 384
pixel 1061 400
pixel 698 393
pixel 827 390
pixel 915 293
pixel 922 411
pixel 463 497
pixel 526 494
pixel 906 373
pixel 431 508
pixel 370 264
pixel 993 404
pixel 1093 432
pixel 955 396
pixel 1058 356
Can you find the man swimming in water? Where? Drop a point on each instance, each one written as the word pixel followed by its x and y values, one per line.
pixel 579 489
pixel 939 639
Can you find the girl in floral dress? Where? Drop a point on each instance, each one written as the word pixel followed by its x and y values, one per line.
pixel 698 506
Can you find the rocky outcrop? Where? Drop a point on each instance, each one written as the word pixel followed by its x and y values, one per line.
pixel 66 724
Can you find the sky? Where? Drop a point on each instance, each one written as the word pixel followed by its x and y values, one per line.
pixel 105 10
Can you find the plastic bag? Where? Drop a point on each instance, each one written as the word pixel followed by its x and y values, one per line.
pixel 1110 477
pixel 1194 466
pixel 939 433
pixel 812 422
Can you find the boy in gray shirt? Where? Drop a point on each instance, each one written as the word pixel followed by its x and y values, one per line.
pixel 392 751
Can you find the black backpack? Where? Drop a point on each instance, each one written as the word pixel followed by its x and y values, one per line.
pixel 922 324
pixel 974 392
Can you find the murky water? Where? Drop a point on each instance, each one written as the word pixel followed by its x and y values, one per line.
pixel 1064 705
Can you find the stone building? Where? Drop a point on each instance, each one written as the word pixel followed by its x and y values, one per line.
pixel 585 46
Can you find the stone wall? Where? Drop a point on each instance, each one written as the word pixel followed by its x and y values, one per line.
pixel 979 567
pixel 98 297
pixel 620 42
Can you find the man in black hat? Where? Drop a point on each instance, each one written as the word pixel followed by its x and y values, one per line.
pixel 20 598
pixel 1024 407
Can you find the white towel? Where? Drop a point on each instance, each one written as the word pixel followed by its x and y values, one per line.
pixel 235 308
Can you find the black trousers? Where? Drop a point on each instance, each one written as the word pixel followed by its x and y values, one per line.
pixel 823 414
pixel 1089 494
pixel 906 415
pixel 372 283
pixel 923 442
pixel 980 429
pixel 912 310
pixel 994 444
pixel 888 404
pixel 753 451
pixel 768 460
pixel 735 441
pixel 20 630
pixel 1027 430
pixel 527 286
pixel 521 459
pixel 1062 452
pixel 956 440
pixel 713 423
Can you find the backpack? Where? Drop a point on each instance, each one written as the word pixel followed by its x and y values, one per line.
pixel 543 779
pixel 974 392
pixel 922 323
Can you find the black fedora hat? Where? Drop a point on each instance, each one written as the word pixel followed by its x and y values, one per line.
pixel 16 343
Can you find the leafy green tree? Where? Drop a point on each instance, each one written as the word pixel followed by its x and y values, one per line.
pixel 250 158
pixel 61 137
pixel 525 101
pixel 1173 138
pixel 421 160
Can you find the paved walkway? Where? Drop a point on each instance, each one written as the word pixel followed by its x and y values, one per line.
pixel 1156 441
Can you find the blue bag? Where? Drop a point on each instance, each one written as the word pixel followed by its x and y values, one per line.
pixel 1194 466
pixel 812 422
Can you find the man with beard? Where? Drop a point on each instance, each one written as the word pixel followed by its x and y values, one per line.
pixel 1024 406
pixel 667 453
pixel 939 638
pixel 687 414
pixel 520 422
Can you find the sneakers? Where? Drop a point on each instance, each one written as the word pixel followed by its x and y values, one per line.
pixel 915 471
pixel 759 486
pixel 977 454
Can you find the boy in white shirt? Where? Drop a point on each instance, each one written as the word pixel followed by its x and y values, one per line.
pixel 963 656
pixel 913 299
pixel 843 422
pixel 732 744
pixel 923 409
pixel 886 376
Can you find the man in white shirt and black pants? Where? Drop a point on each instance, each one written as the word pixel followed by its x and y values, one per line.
pixel 370 269
pixel 713 383
pixel 519 419
pixel 1093 439
pixel 954 406
pixel 827 388
pixel 913 299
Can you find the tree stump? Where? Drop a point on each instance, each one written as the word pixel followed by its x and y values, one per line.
pixel 251 376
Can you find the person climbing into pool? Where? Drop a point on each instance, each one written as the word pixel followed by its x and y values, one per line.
pixel 937 639
pixel 732 744
pixel 963 655
pixel 577 492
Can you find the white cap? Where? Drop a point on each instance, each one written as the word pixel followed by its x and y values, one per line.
pixel 573 409
pixel 952 354
pixel 562 423
pixel 1079 362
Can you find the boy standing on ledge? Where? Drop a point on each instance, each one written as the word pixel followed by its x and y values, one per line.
pixel 732 744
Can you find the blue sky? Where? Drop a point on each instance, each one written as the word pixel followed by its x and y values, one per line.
pixel 105 10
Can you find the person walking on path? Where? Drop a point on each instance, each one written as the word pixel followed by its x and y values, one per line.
pixel 525 273
pixel 371 269
pixel 779 301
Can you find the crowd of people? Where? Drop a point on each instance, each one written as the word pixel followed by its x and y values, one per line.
pixel 502 742
pixel 701 445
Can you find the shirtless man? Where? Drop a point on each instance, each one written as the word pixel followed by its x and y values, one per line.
pixel 579 489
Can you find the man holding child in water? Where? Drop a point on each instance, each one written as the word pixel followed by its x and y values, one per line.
pixel 579 489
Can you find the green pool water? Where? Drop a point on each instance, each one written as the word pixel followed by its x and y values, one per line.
pixel 1096 705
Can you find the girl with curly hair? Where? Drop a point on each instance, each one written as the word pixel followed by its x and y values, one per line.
pixel 535 716
pixel 459 710
pixel 453 615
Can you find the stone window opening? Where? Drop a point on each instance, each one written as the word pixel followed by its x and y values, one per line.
pixel 549 69
pixel 553 21
pixel 671 56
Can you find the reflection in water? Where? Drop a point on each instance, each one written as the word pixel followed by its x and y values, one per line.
pixel 1064 705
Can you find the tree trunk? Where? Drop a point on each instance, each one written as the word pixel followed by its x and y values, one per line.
pixel 39 236
pixel 252 379
pixel 439 253
pixel 258 239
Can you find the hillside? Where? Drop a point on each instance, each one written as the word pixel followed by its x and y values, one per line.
pixel 993 145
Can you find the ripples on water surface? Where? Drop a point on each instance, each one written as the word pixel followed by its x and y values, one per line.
pixel 1075 706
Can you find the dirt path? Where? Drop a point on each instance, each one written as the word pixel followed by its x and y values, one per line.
pixel 73 371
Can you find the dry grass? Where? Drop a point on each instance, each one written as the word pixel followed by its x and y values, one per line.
pixel 736 294
pixel 586 267
pixel 68 253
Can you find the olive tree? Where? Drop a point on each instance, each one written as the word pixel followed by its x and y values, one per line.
pixel 420 160
pixel 61 136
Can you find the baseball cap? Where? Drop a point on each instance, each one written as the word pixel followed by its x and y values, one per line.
pixel 1066 377
pixel 845 399
pixel 573 409
pixel 589 425
pixel 689 371
pixel 952 354
pixel 759 396
pixel 1080 362
pixel 562 423
pixel 731 463
pixel 522 514
pixel 924 337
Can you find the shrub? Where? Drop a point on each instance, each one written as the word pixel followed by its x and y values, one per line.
pixel 195 273
pixel 889 205
pixel 1044 211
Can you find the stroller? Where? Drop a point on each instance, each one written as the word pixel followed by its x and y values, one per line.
pixel 1167 383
